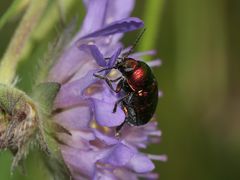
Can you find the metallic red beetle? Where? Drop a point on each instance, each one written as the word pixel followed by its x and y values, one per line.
pixel 140 87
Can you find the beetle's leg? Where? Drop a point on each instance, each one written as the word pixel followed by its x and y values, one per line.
pixel 129 112
pixel 117 79
pixel 128 97
pixel 96 74
pixel 119 101
pixel 109 82
pixel 101 70
pixel 132 118
pixel 105 77
pixel 119 85
pixel 118 128
pixel 108 58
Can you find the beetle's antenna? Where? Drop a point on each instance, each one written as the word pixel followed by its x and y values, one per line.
pixel 135 43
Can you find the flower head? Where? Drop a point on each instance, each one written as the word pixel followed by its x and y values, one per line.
pixel 21 119
pixel 84 104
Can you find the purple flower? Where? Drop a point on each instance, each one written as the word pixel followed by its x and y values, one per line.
pixel 84 103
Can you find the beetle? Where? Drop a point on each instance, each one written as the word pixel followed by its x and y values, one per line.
pixel 140 86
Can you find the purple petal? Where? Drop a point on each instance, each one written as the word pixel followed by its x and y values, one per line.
pixel 104 175
pixel 80 160
pixel 72 93
pixel 119 9
pixel 71 60
pixel 145 53
pixel 114 57
pixel 106 139
pixel 126 50
pixel 121 26
pixel 160 94
pixel 154 63
pixel 95 18
pixel 152 128
pixel 119 155
pixel 125 173
pixel 84 69
pixel 149 176
pixel 158 157
pixel 104 115
pixel 78 139
pixel 75 118
pixel 115 11
pixel 141 164
pixel 96 54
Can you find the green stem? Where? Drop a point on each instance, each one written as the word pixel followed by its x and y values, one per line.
pixel 15 49
pixel 152 19
pixel 13 10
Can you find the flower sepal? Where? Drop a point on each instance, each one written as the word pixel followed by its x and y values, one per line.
pixel 26 121
pixel 44 95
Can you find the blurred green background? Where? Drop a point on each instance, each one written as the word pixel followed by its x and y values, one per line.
pixel 199 113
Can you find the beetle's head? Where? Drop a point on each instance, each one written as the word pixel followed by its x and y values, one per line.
pixel 126 65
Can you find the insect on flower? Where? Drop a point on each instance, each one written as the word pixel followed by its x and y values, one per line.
pixel 140 87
